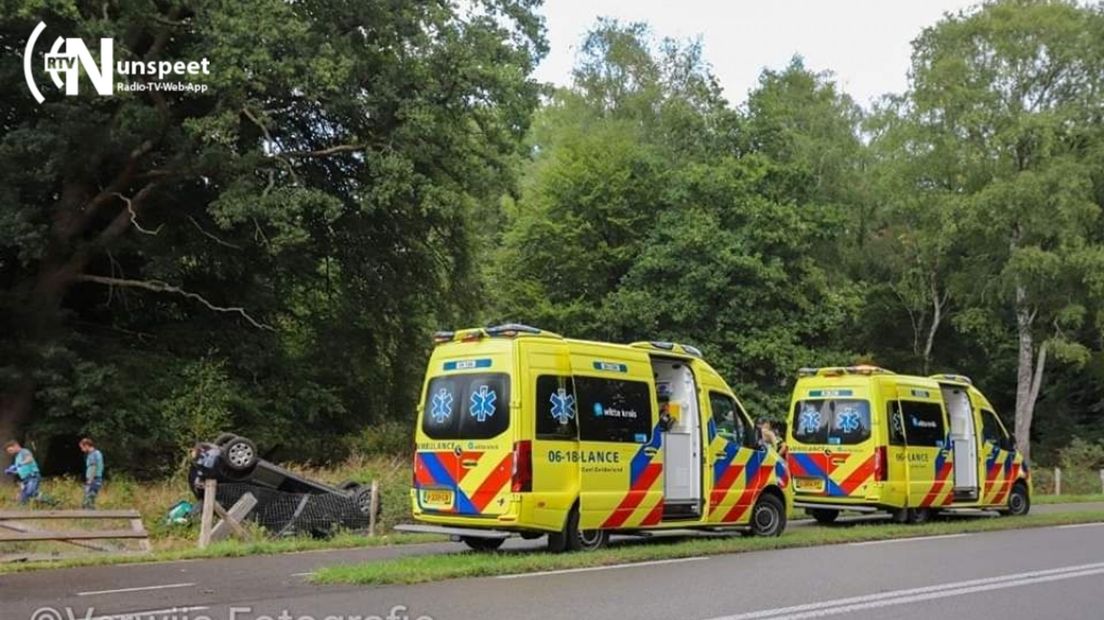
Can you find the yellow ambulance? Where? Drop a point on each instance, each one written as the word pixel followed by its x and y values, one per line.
pixel 866 439
pixel 524 432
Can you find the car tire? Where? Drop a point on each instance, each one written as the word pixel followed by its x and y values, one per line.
pixel 919 516
pixel 363 499
pixel 1019 502
pixel 239 454
pixel 823 516
pixel 349 485
pixel 768 516
pixel 223 438
pixel 482 544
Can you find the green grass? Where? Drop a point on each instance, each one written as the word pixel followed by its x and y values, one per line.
pixel 421 569
pixel 227 549
pixel 178 542
pixel 1066 499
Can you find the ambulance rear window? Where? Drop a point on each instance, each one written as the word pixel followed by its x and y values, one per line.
pixel 831 421
pixel 467 406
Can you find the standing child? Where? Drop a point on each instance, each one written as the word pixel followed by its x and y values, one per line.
pixel 93 473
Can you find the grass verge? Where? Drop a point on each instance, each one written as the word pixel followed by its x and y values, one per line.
pixel 421 569
pixel 1067 499
pixel 227 549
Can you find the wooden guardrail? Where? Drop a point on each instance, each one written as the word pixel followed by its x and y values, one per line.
pixel 14 530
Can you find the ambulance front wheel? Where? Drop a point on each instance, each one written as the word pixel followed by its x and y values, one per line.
pixel 574 539
pixel 482 544
pixel 768 517
pixel 1018 501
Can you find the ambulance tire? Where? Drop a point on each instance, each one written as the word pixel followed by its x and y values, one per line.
pixel 768 516
pixel 1019 503
pixel 900 515
pixel 482 544
pixel 918 516
pixel 824 515
pixel 574 539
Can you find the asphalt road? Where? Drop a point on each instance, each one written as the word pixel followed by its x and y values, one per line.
pixel 1049 572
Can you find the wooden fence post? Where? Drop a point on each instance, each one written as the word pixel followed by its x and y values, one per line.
pixel 1057 480
pixel 375 506
pixel 206 522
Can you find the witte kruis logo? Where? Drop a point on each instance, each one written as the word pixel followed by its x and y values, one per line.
pixel 68 56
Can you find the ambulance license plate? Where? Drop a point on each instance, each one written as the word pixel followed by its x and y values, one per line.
pixel 440 499
pixel 810 485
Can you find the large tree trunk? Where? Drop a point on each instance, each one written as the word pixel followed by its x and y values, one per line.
pixel 1029 372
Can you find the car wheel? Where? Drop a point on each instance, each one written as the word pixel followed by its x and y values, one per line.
pixel 349 485
pixel 918 516
pixel 239 454
pixel 1019 503
pixel 824 515
pixel 363 498
pixel 223 438
pixel 768 516
pixel 482 544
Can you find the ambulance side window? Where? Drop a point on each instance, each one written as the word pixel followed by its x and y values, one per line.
pixel 896 424
pixel 727 419
pixel 991 431
pixel 556 409
pixel 924 425
pixel 614 410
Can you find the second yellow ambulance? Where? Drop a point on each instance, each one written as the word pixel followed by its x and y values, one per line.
pixel 866 439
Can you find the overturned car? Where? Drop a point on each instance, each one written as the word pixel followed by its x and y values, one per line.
pixel 287 503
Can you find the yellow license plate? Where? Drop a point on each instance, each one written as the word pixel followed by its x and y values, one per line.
pixel 437 498
pixel 815 485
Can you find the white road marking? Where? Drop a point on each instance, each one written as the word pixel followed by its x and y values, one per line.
pixel 302 574
pixel 900 540
pixel 133 615
pixel 567 571
pixel 1073 525
pixel 140 589
pixel 913 595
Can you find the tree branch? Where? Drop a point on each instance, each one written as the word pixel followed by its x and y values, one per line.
pixel 326 152
pixel 134 216
pixel 162 287
pixel 212 236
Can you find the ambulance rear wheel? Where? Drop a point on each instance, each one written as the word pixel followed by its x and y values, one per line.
pixel 824 515
pixel 768 517
pixel 1018 501
pixel 899 515
pixel 482 544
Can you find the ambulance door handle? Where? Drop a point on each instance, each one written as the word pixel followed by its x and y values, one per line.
pixel 839 460
pixel 468 463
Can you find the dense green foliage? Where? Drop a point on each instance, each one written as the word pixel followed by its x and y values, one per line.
pixel 271 255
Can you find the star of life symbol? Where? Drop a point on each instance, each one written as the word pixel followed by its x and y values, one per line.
pixel 810 420
pixel 482 403
pixel 563 406
pixel 848 420
pixel 442 405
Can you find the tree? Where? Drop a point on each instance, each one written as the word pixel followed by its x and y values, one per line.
pixel 1007 96
pixel 298 224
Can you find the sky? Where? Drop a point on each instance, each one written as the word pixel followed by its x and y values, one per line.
pixel 865 43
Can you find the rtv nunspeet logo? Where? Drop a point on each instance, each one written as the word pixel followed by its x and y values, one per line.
pixel 69 55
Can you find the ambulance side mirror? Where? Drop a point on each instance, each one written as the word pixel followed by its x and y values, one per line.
pixel 1009 442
